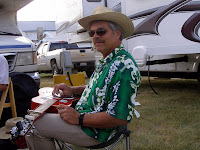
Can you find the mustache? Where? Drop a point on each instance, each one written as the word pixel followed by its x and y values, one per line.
pixel 98 41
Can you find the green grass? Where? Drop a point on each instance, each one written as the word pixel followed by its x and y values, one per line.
pixel 169 120
pixel 46 80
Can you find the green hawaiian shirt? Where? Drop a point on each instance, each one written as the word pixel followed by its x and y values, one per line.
pixel 112 88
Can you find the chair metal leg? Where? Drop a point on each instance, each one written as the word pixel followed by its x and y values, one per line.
pixel 60 146
pixel 127 134
pixel 127 143
pixel 63 145
pixel 119 139
pixel 104 148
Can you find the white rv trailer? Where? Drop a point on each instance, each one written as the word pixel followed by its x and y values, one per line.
pixel 19 51
pixel 166 38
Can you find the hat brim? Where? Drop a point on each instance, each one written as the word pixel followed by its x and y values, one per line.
pixel 122 20
pixel 3 134
pixel 10 123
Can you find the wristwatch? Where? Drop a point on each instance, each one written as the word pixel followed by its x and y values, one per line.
pixel 81 119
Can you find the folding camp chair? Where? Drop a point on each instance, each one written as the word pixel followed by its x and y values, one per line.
pixel 11 104
pixel 122 132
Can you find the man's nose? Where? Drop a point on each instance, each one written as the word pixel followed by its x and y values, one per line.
pixel 95 35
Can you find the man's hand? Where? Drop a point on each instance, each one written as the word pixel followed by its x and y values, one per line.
pixel 66 90
pixel 94 120
pixel 68 114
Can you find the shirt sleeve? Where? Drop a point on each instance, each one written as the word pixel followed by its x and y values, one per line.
pixel 123 90
pixel 4 75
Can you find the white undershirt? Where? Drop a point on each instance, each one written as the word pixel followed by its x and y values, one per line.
pixel 4 75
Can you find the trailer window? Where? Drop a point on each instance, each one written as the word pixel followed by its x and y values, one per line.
pixel 72 46
pixel 55 46
pixel 66 46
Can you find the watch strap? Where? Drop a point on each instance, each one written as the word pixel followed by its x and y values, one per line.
pixel 81 117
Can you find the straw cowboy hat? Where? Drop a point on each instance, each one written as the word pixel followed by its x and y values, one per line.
pixel 106 14
pixel 10 123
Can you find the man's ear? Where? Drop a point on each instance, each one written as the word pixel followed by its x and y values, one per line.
pixel 118 34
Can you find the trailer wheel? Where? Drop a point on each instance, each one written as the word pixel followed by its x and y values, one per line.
pixel 198 74
pixel 55 69
pixel 198 77
pixel 25 88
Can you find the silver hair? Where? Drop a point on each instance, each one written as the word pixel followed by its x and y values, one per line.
pixel 114 27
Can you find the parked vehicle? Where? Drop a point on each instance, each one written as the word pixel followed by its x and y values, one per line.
pixel 19 51
pixel 49 57
pixel 166 39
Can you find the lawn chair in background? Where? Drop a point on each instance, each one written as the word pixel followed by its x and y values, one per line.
pixel 11 104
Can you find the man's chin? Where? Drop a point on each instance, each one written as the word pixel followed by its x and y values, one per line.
pixel 98 48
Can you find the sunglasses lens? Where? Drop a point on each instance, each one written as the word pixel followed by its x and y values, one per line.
pixel 91 33
pixel 99 32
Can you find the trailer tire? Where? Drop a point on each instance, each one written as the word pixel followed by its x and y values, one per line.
pixel 25 88
pixel 89 72
pixel 55 69
pixel 198 77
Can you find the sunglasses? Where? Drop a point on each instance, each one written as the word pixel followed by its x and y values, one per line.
pixel 99 32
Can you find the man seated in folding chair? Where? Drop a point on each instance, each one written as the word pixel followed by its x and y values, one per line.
pixel 107 101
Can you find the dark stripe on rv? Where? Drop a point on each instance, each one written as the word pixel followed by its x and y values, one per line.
pixel 14 46
pixel 151 23
pixel 191 27
pixel 192 6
